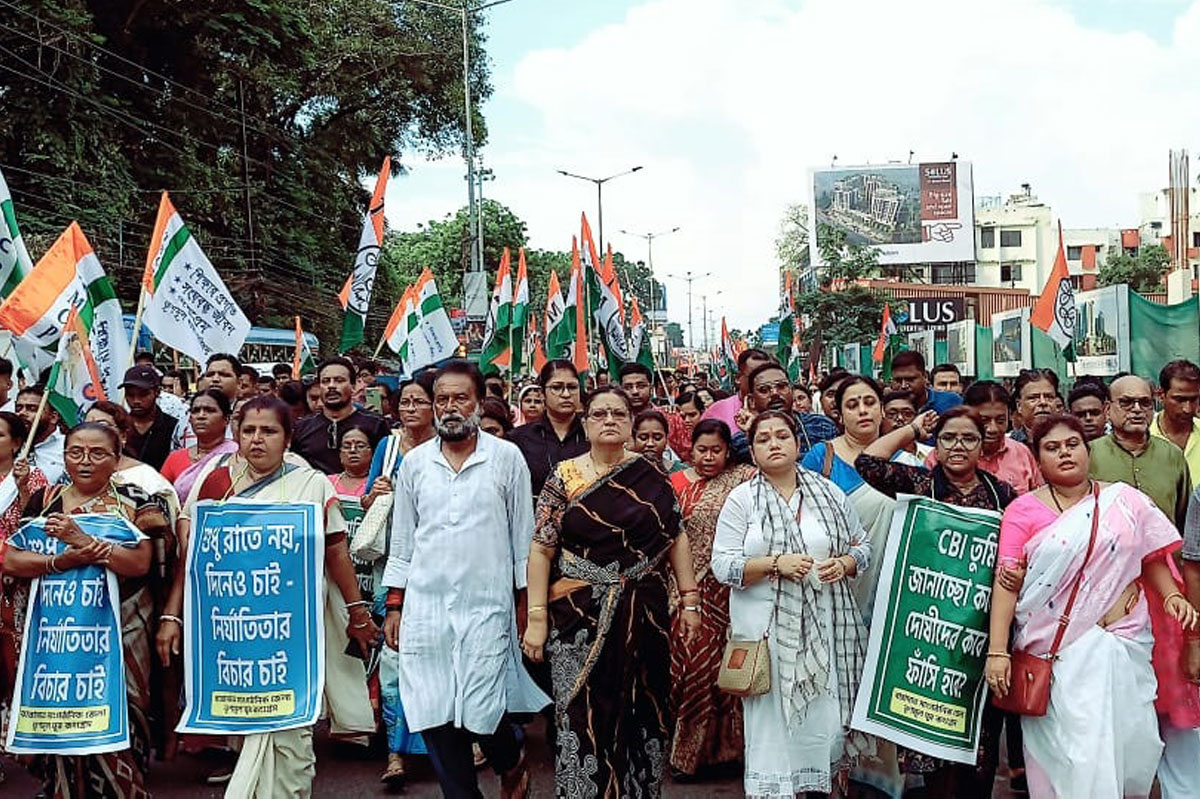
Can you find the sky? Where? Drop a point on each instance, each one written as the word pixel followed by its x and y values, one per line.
pixel 728 104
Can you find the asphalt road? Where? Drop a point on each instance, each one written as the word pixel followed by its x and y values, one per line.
pixel 351 772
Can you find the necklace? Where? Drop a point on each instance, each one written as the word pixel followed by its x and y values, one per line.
pixel 1058 505
pixel 600 469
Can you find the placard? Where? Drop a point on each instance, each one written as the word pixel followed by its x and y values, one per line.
pixel 1012 350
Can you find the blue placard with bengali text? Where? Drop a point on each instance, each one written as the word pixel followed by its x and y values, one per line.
pixel 254 654
pixel 70 695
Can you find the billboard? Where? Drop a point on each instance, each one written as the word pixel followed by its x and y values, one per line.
pixel 1102 331
pixel 1012 350
pixel 960 346
pixel 911 213
pixel 852 358
pixel 922 342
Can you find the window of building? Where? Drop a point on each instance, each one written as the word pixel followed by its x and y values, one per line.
pixel 1010 238
pixel 952 274
pixel 1074 253
pixel 1156 225
pixel 1195 238
pixel 1010 273
pixel 987 238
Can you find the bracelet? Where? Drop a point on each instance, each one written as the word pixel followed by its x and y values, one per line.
pixel 690 591
pixel 362 625
pixel 51 568
pixel 775 567
pixel 992 654
pixel 171 618
pixel 915 429
pixel 397 607
pixel 357 603
pixel 1171 596
pixel 693 609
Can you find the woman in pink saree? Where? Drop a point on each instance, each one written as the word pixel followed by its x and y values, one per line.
pixel 1099 737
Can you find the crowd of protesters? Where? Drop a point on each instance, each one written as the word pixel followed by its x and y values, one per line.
pixel 582 548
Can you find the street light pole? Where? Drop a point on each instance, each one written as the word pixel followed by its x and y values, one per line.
pixel 690 279
pixel 472 211
pixel 599 194
pixel 650 237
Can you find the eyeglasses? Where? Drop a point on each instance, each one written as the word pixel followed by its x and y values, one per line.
pixel 562 388
pixel 93 454
pixel 951 441
pixel 1128 403
pixel 354 447
pixel 901 414
pixel 615 414
pixel 779 387
pixel 413 403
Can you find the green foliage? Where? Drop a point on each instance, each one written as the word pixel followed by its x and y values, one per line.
pixel 791 242
pixel 850 313
pixel 1143 272
pixel 328 89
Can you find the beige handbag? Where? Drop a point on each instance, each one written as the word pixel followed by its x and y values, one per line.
pixel 745 668
pixel 370 540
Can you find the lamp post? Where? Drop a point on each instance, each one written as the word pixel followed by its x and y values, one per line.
pixel 690 279
pixel 704 303
pixel 650 237
pixel 599 195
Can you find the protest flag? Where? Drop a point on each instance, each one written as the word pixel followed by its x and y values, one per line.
pixel 639 338
pixel 15 262
pixel 497 353
pixel 535 338
pixel 555 307
pixel 68 276
pixel 520 315
pixel 608 314
pixel 430 336
pixel 74 383
pixel 183 300
pixel 568 338
pixel 727 356
pixel 1055 310
pixel 303 362
pixel 887 329
pixel 355 296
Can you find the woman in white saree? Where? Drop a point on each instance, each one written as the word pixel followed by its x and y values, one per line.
pixel 1099 737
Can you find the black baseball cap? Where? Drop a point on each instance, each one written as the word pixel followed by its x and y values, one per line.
pixel 142 376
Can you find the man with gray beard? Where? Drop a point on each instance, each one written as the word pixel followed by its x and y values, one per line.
pixel 461 530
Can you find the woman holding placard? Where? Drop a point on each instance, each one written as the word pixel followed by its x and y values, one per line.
pixel 91 453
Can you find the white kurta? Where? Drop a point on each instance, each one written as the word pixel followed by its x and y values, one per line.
pixel 780 760
pixel 459 547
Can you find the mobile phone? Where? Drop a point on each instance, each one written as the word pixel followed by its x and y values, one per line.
pixel 374 398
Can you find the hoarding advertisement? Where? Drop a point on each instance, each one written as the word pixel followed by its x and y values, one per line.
pixel 1012 349
pixel 911 213
pixel 960 346
pixel 1102 331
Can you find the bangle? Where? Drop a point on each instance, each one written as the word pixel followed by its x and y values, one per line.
pixel 686 592
pixel 361 624
pixel 993 654
pixel 357 603
pixel 775 567
pixel 915 429
pixel 397 607
pixel 170 618
pixel 693 609
pixel 51 568
pixel 1171 596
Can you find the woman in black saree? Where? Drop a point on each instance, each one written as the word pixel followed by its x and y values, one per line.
pixel 606 526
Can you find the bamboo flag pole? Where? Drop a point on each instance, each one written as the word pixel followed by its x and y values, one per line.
pixel 137 327
pixel 33 425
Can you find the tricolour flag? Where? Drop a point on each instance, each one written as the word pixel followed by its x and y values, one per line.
pixel 74 380
pixel 639 336
pixel 727 356
pixel 355 296
pixel 431 336
pixel 303 362
pixel 395 335
pixel 535 344
pixel 187 305
pixel 15 263
pixel 497 354
pixel 555 306
pixel 568 338
pixel 68 276
pixel 520 315
pixel 607 311
pixel 887 329
pixel 1055 311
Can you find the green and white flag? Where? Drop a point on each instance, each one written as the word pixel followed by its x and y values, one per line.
pixel 187 305
pixel 74 383
pixel 420 331
pixel 15 263
pixel 497 354
pixel 923 684
pixel 520 316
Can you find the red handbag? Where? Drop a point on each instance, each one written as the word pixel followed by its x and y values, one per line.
pixel 1029 691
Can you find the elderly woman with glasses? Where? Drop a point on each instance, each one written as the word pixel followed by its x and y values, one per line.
pixel 607 533
pixel 957 479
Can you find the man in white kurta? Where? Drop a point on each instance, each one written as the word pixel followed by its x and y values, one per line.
pixel 459 545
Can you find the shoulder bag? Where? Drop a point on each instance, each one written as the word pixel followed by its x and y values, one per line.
pixel 370 540
pixel 1029 692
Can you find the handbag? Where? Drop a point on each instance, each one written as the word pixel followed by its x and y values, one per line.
pixel 1029 692
pixel 370 540
pixel 745 668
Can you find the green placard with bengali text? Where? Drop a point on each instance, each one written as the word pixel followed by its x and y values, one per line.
pixel 923 683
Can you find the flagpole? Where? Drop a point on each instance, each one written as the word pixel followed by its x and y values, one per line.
pixel 137 327
pixel 33 425
pixel 379 347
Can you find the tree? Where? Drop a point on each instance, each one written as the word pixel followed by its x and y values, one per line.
pixel 1143 272
pixel 262 118
pixel 840 311
pixel 791 242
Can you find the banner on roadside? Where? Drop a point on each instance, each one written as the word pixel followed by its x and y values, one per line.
pixel 70 697
pixel 923 684
pixel 254 597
